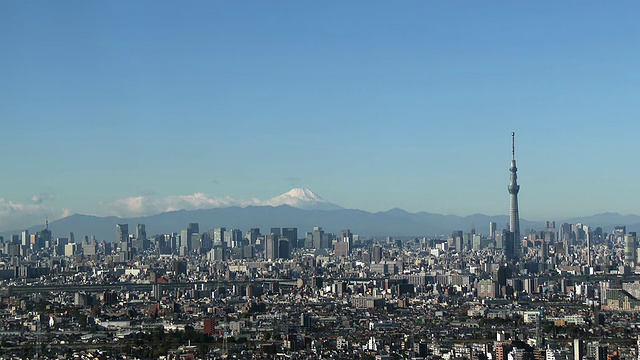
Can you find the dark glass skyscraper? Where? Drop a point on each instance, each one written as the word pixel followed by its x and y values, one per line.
pixel 291 234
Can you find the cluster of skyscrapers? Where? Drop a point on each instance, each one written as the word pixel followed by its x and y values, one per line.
pixel 222 244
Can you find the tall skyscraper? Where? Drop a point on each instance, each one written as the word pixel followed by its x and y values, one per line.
pixel 233 238
pixel 122 233
pixel 252 235
pixel 141 232
pixel 514 218
pixel 284 250
pixel 588 245
pixel 275 230
pixel 291 234
pixel 318 235
pixel 458 240
pixel 272 249
pixel 44 237
pixel 185 236
pixel 218 236
pixel 25 238
pixel 376 254
pixel 630 249
pixel 190 237
pixel 122 241
pixel 347 236
pixel 492 229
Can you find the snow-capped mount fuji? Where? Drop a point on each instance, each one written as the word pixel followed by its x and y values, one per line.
pixel 302 199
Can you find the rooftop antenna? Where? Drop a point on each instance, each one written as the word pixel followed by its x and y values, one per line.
pixel 46 221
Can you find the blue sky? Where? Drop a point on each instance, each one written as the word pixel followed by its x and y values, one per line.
pixel 371 105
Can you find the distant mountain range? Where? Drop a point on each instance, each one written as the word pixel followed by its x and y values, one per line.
pixel 303 209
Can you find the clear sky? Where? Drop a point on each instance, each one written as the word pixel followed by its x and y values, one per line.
pixel 370 104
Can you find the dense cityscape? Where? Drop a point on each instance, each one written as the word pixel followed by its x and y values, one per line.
pixel 568 291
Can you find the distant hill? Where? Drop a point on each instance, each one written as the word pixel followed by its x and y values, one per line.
pixel 395 222
pixel 607 221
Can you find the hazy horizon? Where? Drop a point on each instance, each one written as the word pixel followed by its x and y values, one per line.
pixel 130 108
pixel 141 207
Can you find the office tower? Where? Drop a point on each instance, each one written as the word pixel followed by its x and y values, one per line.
pixel 33 239
pixel 275 230
pixel 458 239
pixel 467 240
pixel 206 243
pixel 514 188
pixel 318 236
pixel 70 249
pixel 578 232
pixel 233 238
pixel 550 232
pixel 190 237
pixel 619 232
pixel 565 232
pixel 492 230
pixel 140 243
pixel 341 249
pixel 292 235
pixel 25 238
pixel 122 233
pixel 185 235
pixel 193 241
pixel 141 232
pixel 589 235
pixel 347 236
pixel 271 250
pixel 252 235
pixel 376 254
pixel 544 250
pixel 308 240
pixel 218 236
pixel 123 243
pixel 476 242
pixel 72 237
pixel 284 249
pixel 630 249
pixel 327 240
pixel 43 239
pixel 500 240
pixel 59 246
pixel 508 243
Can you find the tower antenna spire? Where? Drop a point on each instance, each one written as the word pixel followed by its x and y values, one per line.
pixel 514 218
